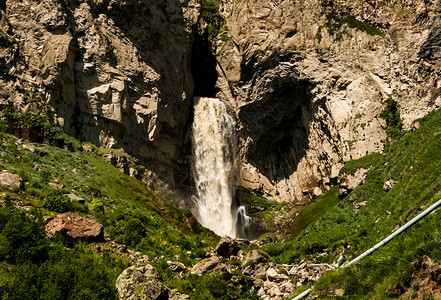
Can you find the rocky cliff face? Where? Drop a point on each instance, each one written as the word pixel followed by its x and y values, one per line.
pixel 116 73
pixel 306 80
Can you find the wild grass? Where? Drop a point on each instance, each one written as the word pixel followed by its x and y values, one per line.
pixel 314 211
pixel 130 212
pixel 346 229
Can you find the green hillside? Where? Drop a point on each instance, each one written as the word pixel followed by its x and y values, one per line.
pixel 34 267
pixel 329 229
pixel 370 213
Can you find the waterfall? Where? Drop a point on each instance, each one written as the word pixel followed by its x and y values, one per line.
pixel 214 165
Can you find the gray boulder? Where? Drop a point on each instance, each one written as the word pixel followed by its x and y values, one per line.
pixel 212 265
pixel 144 283
pixel 10 180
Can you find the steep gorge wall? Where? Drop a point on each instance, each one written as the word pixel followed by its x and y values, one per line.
pixel 116 73
pixel 308 80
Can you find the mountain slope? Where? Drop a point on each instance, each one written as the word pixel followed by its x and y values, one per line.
pixel 134 217
pixel 371 212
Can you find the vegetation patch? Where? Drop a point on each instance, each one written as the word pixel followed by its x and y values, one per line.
pixel 412 161
pixel 314 211
pixel 335 23
pixel 365 162
pixel 391 114
pixel 210 14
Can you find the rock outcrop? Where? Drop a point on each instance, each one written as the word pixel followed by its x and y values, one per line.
pixel 12 181
pixel 212 265
pixel 116 73
pixel 228 246
pixel 136 283
pixel 348 182
pixel 308 80
pixel 74 227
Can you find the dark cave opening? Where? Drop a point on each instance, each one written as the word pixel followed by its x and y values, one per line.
pixel 203 67
pixel 278 127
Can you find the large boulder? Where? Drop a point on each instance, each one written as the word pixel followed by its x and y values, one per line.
pixel 136 283
pixel 10 180
pixel 255 264
pixel 192 223
pixel 228 246
pixel 74 227
pixel 212 265
pixel 348 182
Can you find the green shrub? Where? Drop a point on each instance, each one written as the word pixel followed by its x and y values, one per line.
pixel 45 176
pixel 21 239
pixel 32 96
pixel 134 231
pixel 55 200
pixel 210 14
pixel 96 207
pixel 391 115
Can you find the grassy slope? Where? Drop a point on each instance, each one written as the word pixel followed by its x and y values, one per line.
pixel 130 212
pixel 413 162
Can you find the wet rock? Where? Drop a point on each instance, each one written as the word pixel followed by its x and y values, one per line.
pixel 12 181
pixel 74 227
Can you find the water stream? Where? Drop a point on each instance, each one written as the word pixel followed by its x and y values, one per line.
pixel 215 166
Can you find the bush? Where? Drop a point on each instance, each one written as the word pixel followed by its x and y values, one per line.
pixel 40 269
pixel 55 200
pixel 21 239
pixel 134 232
pixel 96 207
pixel 391 115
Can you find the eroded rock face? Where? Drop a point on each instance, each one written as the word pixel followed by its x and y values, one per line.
pixel 308 93
pixel 116 73
pixel 305 81
pixel 74 227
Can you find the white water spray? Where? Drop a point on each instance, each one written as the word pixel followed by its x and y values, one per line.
pixel 214 165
